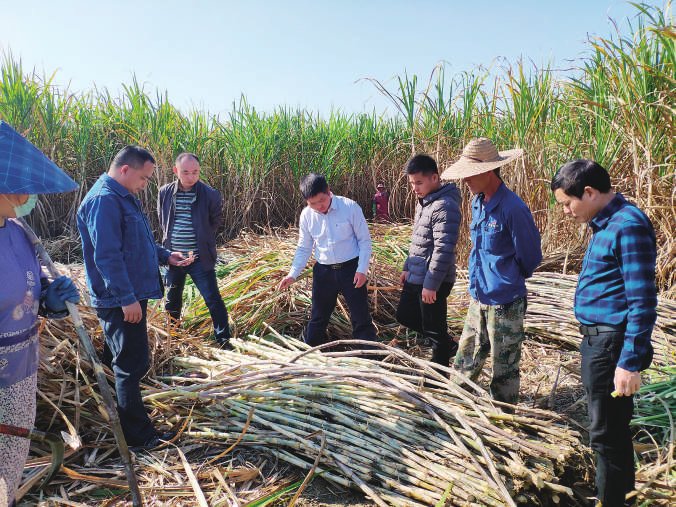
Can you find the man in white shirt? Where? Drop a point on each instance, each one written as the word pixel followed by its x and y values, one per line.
pixel 335 228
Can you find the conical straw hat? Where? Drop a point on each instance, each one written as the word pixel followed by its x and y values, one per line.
pixel 24 169
pixel 479 156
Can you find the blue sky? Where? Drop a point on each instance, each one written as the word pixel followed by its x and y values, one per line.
pixel 311 54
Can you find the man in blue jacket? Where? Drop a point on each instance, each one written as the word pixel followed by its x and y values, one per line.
pixel 121 263
pixel 505 251
pixel 190 213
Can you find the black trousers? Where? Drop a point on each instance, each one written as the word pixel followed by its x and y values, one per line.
pixel 206 283
pixel 327 283
pixel 126 351
pixel 427 319
pixel 609 434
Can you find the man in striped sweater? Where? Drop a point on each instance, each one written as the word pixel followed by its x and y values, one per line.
pixel 190 213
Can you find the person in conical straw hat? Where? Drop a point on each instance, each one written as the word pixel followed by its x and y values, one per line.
pixel 505 252
pixel 25 172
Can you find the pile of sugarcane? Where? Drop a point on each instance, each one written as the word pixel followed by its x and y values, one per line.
pixel 550 316
pixel 398 429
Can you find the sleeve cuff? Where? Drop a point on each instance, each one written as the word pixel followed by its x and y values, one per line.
pixel 163 255
pixel 431 284
pixel 45 311
pixel 630 361
pixel 127 300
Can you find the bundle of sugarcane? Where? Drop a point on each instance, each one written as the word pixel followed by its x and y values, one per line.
pixel 398 429
pixel 421 438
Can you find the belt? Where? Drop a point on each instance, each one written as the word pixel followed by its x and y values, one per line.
pixel 341 265
pixel 596 330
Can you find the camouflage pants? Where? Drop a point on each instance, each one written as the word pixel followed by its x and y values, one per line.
pixel 497 328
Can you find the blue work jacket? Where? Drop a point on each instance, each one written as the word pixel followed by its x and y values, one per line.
pixel 120 255
pixel 505 248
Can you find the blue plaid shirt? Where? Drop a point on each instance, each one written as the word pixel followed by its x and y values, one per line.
pixel 617 281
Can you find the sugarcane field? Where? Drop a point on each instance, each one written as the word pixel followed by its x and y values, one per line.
pixel 470 301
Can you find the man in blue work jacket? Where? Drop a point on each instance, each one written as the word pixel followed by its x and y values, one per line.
pixel 121 263
pixel 505 251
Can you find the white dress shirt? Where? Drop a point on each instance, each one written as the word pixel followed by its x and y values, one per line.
pixel 337 236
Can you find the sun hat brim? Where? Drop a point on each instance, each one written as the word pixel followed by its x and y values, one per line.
pixel 24 169
pixel 466 167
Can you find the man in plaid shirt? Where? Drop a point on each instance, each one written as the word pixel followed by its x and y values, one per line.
pixel 615 303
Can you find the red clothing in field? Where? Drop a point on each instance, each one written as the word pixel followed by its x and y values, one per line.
pixel 380 200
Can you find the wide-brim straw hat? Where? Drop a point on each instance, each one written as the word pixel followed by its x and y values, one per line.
pixel 479 156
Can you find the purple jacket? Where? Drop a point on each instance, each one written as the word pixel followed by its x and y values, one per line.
pixel 207 217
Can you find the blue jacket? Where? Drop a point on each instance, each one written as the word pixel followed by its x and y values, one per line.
pixel 207 217
pixel 120 255
pixel 505 248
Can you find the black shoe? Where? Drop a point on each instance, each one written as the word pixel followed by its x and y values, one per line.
pixel 454 348
pixel 153 442
pixel 584 493
pixel 225 344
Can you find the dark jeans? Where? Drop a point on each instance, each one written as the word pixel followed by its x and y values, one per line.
pixel 126 352
pixel 327 283
pixel 609 435
pixel 206 283
pixel 427 319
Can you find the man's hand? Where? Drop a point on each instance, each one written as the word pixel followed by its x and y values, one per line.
pixel 429 296
pixel 626 382
pixel 402 277
pixel 359 280
pixel 286 281
pixel 132 313
pixel 178 259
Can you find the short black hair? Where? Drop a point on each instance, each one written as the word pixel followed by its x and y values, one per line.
pixel 421 163
pixel 313 184
pixel 133 156
pixel 184 155
pixel 572 177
